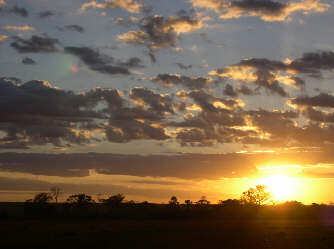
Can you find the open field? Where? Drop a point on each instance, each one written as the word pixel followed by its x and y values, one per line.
pixel 189 233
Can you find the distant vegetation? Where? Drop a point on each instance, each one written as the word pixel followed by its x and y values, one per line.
pixel 253 203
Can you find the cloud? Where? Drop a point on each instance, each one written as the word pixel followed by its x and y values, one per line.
pixel 3 38
pixel 28 61
pixel 35 113
pixel 271 74
pixel 19 28
pixel 183 66
pixel 229 91
pixel 128 5
pixel 100 62
pixel 315 108
pixel 127 22
pixel 74 27
pixel 158 103
pixel 46 13
pixel 267 10
pixel 321 100
pixel 36 44
pixel 158 32
pixel 14 10
pixel 184 81
pixel 213 122
pixel 188 166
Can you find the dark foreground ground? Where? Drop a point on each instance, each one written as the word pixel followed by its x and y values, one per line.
pixel 189 233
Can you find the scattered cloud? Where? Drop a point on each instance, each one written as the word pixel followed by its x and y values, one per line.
pixel 3 38
pixel 46 14
pixel 158 32
pixel 73 27
pixel 28 61
pixel 98 62
pixel 267 10
pixel 36 44
pixel 128 5
pixel 14 10
pixel 183 81
pixel 19 28
pixel 271 74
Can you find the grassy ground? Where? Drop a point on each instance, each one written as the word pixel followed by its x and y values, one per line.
pixel 195 233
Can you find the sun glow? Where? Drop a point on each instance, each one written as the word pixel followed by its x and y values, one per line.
pixel 281 187
pixel 285 182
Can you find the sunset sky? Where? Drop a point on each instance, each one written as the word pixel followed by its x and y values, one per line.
pixel 154 98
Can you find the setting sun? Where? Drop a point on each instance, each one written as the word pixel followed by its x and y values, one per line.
pixel 281 187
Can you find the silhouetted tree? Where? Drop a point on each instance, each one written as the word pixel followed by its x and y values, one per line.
pixel 203 201
pixel 80 200
pixel 55 192
pixel 39 205
pixel 256 196
pixel 188 203
pixel 114 200
pixel 230 203
pixel 173 201
pixel 41 198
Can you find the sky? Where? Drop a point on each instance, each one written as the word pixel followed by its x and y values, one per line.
pixel 158 98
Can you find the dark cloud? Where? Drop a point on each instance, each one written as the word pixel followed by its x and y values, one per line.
pixel 36 44
pixel 157 32
pixel 184 81
pixel 267 10
pixel 157 103
pixel 321 100
pixel 98 62
pixel 184 67
pixel 229 91
pixel 74 27
pixel 35 113
pixel 268 74
pixel 188 166
pixel 213 122
pixel 28 61
pixel 132 62
pixel 312 63
pixel 15 10
pixel 46 13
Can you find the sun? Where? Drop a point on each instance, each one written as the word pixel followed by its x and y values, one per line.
pixel 282 187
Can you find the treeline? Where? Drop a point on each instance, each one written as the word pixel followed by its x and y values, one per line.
pixel 254 203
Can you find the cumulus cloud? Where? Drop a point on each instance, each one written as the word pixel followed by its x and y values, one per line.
pixel 267 10
pixel 128 5
pixel 19 28
pixel 35 113
pixel 263 72
pixel 271 74
pixel 36 44
pixel 183 81
pixel 158 32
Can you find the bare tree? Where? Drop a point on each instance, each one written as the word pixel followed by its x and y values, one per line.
pixel 55 192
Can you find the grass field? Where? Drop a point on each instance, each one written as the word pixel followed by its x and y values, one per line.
pixel 188 233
